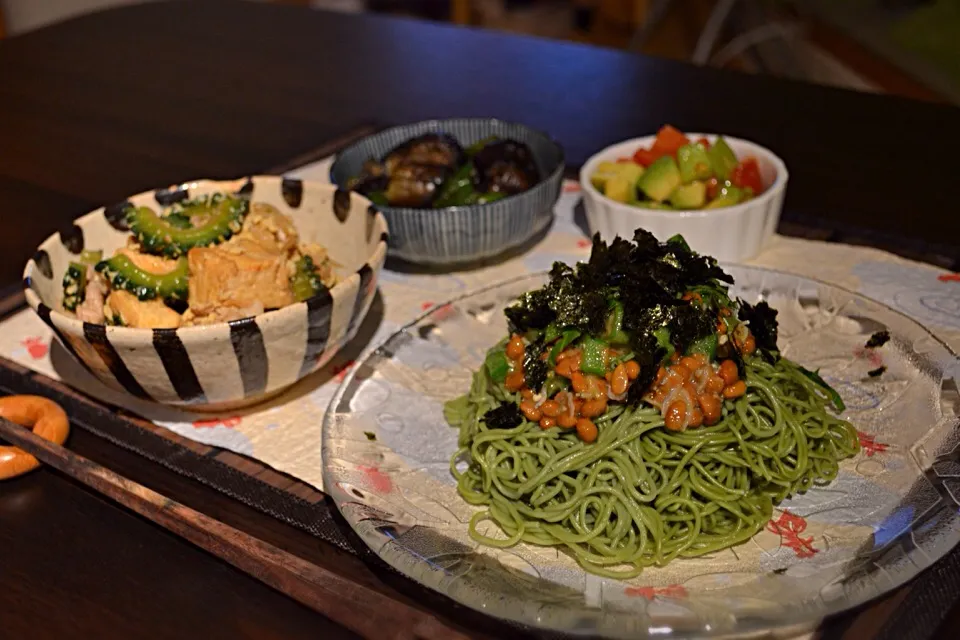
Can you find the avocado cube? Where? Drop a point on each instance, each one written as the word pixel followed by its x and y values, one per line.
pixel 660 178
pixel 605 171
pixel 694 163
pixel 722 158
pixel 689 196
pixel 728 196
pixel 622 186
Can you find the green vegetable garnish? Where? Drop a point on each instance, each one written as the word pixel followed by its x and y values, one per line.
pixel 614 331
pixel 707 345
pixel 457 188
pixel 594 360
pixel 305 282
pixel 91 257
pixel 497 365
pixel 565 340
pixel 835 398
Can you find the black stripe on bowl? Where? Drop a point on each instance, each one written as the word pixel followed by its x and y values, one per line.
pixel 72 238
pixel 292 191
pixel 385 237
pixel 364 292
pixel 44 312
pixel 176 362
pixel 246 190
pixel 27 284
pixel 42 259
pixel 247 341
pixel 319 313
pixel 116 215
pixel 171 195
pixel 96 335
pixel 371 221
pixel 341 204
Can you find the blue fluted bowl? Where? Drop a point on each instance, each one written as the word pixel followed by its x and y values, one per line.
pixel 462 234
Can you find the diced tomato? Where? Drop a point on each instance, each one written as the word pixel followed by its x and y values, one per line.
pixel 713 188
pixel 644 157
pixel 747 174
pixel 668 141
pixel 704 142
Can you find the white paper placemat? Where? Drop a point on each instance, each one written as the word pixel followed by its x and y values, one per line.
pixel 285 433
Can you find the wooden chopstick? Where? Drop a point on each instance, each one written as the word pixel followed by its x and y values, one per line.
pixel 356 607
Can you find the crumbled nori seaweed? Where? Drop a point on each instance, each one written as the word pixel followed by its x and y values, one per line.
pixel 649 278
pixel 762 321
pixel 878 339
pixel 534 369
pixel 506 416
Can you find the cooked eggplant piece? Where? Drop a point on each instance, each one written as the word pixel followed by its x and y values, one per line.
pixel 415 185
pixel 373 177
pixel 435 149
pixel 505 166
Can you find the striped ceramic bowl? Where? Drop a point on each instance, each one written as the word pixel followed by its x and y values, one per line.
pixel 463 234
pixel 231 364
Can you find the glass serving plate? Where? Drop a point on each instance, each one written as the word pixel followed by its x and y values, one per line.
pixel 890 514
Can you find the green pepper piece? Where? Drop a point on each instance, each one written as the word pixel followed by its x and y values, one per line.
pixel 74 285
pixel 707 345
pixel 680 241
pixel 594 359
pixel 551 333
pixel 483 198
pixel 615 333
pixel 568 336
pixel 91 257
pixel 457 188
pixel 663 339
pixel 497 365
pixel 555 384
pixel 490 196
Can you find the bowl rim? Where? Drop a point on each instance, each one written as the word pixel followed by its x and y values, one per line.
pixel 34 300
pixel 776 187
pixel 436 124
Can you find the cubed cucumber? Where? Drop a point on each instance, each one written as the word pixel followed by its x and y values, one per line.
pixel 722 158
pixel 727 197
pixel 689 196
pixel 694 163
pixel 660 179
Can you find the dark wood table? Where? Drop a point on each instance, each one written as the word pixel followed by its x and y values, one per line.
pixel 107 105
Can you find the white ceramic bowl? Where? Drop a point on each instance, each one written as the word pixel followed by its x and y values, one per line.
pixel 230 364
pixel 730 234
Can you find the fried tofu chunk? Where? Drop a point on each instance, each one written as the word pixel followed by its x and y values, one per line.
pixel 240 273
pixel 270 229
pixel 141 314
